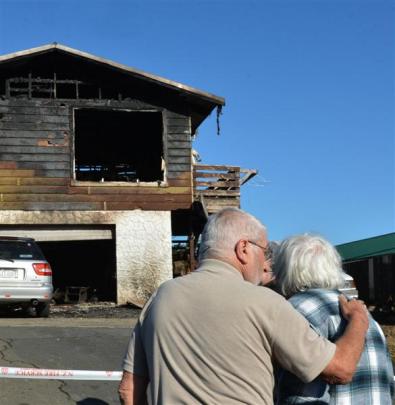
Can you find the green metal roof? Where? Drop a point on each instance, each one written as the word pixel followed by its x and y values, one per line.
pixel 360 249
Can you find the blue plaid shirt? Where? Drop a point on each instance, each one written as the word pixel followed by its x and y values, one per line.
pixel 373 381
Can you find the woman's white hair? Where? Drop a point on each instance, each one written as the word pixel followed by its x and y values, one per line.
pixel 307 261
pixel 224 229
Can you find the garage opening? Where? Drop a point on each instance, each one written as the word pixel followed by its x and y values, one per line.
pixel 118 145
pixel 89 263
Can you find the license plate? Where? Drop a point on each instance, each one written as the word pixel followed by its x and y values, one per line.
pixel 8 273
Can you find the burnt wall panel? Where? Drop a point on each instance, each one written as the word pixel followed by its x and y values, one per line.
pixel 179 147
pixel 36 155
pixel 35 138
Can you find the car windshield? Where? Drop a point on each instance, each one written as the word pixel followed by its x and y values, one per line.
pixel 20 250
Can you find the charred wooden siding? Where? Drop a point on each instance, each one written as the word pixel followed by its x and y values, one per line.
pixel 179 147
pixel 36 161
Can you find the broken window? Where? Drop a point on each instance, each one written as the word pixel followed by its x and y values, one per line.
pixel 118 145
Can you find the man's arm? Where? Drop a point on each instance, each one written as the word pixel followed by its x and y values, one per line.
pixel 132 389
pixel 349 347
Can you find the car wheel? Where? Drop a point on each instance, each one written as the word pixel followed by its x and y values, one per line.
pixel 31 311
pixel 43 310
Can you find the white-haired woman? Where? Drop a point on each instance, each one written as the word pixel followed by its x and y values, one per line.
pixel 308 271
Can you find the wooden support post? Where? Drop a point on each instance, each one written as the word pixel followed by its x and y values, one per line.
pixel 371 279
pixel 29 85
pixel 54 86
pixel 191 240
pixel 7 88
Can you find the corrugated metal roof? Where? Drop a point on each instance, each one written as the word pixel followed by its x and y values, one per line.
pixel 127 69
pixel 370 247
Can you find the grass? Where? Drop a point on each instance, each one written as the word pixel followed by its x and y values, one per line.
pixel 387 323
pixel 389 332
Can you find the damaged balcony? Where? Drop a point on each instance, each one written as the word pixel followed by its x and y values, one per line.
pixel 218 186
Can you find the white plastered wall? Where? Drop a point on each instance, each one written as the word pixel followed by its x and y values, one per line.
pixel 143 244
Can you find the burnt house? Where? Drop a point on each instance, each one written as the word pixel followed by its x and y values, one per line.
pixel 96 164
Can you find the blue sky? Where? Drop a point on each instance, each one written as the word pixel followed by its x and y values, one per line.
pixel 309 89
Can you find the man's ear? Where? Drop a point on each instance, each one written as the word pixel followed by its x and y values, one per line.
pixel 241 251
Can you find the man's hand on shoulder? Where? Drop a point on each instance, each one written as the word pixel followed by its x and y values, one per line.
pixel 349 347
pixel 352 309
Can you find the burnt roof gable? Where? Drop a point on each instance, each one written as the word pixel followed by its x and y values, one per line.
pixel 69 63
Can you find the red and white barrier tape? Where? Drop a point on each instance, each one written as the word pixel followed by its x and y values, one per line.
pixel 53 374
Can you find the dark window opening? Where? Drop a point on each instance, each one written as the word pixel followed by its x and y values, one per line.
pixel 113 145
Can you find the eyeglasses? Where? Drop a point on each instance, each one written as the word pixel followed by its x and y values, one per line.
pixel 267 251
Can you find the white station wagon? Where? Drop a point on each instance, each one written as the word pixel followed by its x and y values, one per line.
pixel 25 276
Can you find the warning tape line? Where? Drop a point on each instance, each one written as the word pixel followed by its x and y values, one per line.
pixel 53 374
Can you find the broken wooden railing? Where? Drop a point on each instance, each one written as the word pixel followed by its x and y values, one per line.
pixel 218 186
